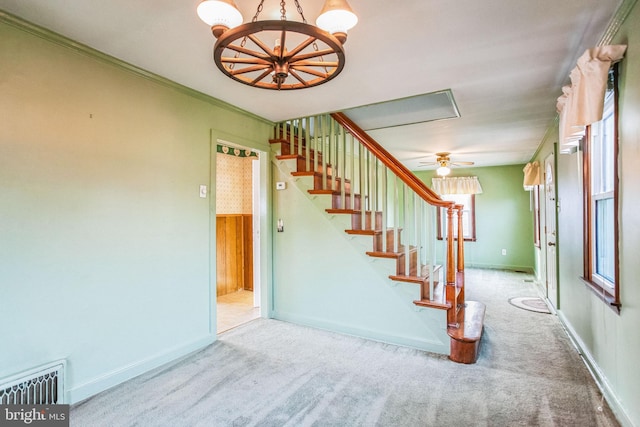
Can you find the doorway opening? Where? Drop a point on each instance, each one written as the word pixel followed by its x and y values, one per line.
pixel 237 235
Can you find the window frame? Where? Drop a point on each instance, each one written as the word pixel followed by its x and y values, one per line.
pixel 536 216
pixel 469 237
pixel 606 290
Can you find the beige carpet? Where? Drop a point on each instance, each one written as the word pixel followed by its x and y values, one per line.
pixel 271 373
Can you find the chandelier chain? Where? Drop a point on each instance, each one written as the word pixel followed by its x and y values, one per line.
pixel 283 11
pixel 244 39
pixel 258 10
pixel 300 11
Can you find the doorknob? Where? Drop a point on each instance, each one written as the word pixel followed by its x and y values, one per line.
pixel 551 244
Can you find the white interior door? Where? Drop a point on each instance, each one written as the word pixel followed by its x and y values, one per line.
pixel 550 230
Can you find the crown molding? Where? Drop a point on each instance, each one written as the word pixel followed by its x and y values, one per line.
pixel 616 21
pixel 53 37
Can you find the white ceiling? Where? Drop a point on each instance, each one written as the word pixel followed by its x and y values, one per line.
pixel 504 61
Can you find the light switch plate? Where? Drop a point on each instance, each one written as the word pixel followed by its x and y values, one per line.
pixel 203 191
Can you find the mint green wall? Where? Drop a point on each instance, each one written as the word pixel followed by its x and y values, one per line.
pixel 323 278
pixel 609 342
pixel 503 218
pixel 105 254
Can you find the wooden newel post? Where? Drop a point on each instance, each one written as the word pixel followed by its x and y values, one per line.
pixel 450 287
pixel 460 272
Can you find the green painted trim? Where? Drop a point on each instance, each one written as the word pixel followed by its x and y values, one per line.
pixel 66 42
pixel 616 21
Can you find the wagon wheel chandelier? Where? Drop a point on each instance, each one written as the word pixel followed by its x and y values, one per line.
pixel 279 54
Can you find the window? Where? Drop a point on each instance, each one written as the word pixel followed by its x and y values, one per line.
pixel 468 201
pixel 600 148
pixel 536 215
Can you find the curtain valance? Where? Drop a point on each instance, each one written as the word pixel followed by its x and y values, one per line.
pixel 456 185
pixel 582 102
pixel 531 175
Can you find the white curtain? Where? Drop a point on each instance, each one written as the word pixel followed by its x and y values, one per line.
pixel 456 185
pixel 582 102
pixel 531 175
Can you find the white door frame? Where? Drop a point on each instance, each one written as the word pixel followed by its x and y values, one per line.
pixel 261 234
pixel 550 228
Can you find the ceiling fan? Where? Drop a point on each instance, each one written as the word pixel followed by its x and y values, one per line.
pixel 445 163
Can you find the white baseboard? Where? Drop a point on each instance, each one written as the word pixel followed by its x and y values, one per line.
pixel 438 347
pixel 596 372
pixel 525 269
pixel 125 373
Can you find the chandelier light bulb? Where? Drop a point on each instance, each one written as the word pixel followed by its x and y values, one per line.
pixel 337 18
pixel 220 15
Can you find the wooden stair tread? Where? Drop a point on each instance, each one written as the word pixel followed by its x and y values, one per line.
pixel 287 157
pixel 436 303
pixel 389 254
pixel 331 192
pixel 364 232
pixel 467 332
pixel 470 322
pixel 422 278
pixel 318 174
pixel 409 279
pixel 378 254
pixel 341 211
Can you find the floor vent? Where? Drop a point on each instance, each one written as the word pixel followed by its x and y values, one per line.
pixel 43 385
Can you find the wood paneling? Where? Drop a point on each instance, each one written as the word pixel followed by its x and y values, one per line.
pixel 234 253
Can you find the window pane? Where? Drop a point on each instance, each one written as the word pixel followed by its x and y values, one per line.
pixel 604 239
pixel 607 155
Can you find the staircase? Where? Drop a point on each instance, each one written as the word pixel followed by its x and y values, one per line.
pixel 386 201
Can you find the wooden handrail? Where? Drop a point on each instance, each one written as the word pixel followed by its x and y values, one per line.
pixel 400 170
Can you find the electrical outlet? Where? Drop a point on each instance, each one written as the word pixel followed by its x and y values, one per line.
pixel 504 252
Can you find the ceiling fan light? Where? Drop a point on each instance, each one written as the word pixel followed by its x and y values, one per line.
pixel 337 17
pixel 443 171
pixel 220 13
